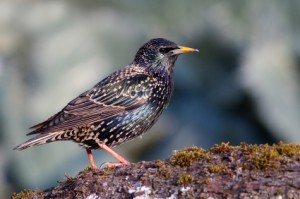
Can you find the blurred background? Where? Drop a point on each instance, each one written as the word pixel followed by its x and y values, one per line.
pixel 243 85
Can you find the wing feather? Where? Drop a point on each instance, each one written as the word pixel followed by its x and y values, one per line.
pixel 110 97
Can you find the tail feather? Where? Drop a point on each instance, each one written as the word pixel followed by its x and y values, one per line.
pixel 37 140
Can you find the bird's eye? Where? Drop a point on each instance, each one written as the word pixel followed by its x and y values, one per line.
pixel 165 50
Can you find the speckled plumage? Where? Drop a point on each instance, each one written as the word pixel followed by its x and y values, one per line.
pixel 119 108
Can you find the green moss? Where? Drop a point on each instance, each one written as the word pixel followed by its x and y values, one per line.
pixel 257 156
pixel 187 156
pixel 268 156
pixel 185 179
pixel 88 168
pixel 288 149
pixel 264 157
pixel 85 170
pixel 109 170
pixel 219 169
pixel 222 148
pixel 163 170
pixel 214 168
pixel 279 193
pixel 25 194
pixel 206 181
pixel 67 179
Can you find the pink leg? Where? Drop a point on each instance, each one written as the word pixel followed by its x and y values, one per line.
pixel 117 156
pixel 91 158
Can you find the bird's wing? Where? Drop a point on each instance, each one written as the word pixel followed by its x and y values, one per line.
pixel 113 96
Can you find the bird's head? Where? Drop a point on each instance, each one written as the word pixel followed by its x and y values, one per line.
pixel 160 54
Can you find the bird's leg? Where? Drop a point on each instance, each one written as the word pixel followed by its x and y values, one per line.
pixel 91 158
pixel 113 153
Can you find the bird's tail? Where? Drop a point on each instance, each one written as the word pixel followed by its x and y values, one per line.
pixel 37 140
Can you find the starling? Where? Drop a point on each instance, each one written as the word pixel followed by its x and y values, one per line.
pixel 119 108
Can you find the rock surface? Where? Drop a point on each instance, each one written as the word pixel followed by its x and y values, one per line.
pixel 224 171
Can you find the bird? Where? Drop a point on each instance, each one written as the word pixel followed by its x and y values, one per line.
pixel 119 108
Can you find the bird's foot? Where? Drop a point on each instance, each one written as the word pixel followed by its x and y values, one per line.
pixel 93 166
pixel 114 164
pixel 122 160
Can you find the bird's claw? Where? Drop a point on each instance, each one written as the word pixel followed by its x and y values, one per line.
pixel 113 164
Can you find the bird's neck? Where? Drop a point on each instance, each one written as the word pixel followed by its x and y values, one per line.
pixel 163 66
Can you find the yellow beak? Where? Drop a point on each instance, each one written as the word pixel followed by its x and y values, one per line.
pixel 183 49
